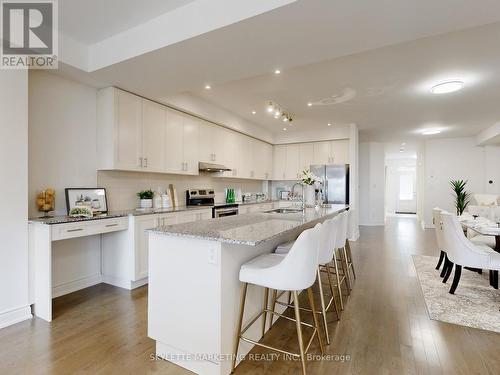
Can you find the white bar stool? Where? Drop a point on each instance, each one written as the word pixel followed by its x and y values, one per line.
pixel 328 232
pixel 340 238
pixel 293 272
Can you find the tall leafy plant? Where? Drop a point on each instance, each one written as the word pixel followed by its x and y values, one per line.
pixel 462 197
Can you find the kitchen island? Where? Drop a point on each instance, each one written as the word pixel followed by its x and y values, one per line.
pixel 194 287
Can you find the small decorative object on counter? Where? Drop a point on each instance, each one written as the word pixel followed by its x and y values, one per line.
pixel 93 198
pixel 157 199
pixel 308 181
pixel 165 200
pixel 230 196
pixel 81 211
pixel 146 198
pixel 46 201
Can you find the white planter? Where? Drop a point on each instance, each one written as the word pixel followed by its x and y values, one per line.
pixel 146 203
pixel 309 195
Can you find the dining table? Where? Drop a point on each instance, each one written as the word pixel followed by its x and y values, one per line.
pixel 485 227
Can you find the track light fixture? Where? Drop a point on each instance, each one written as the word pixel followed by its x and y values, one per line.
pixel 278 113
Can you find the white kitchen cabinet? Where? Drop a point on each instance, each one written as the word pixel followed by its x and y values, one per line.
pixel 125 253
pixel 119 130
pixel 181 143
pixel 267 151
pixel 234 154
pixel 292 167
pixel 331 152
pixel 339 151
pixel 279 162
pixel 321 153
pixel 153 136
pixel 306 155
pixel 190 143
pixel 213 143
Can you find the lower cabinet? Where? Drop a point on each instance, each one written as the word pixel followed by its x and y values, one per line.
pixel 125 254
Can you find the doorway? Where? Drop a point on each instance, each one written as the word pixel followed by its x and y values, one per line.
pixel 401 187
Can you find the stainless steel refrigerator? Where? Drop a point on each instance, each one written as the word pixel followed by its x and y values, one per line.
pixel 334 182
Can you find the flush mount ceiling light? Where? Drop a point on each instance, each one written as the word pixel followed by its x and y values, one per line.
pixel 431 131
pixel 447 87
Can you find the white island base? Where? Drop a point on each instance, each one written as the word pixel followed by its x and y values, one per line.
pixel 194 287
pixel 193 304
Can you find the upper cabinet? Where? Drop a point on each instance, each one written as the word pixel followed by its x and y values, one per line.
pixel 290 160
pixel 119 140
pixel 137 134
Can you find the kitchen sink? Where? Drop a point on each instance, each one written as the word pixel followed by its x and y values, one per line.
pixel 285 211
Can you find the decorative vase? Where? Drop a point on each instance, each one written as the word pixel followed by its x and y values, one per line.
pixel 146 203
pixel 309 195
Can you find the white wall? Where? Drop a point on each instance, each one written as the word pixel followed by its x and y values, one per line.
pixel 371 183
pixel 458 159
pixel 62 153
pixel 14 304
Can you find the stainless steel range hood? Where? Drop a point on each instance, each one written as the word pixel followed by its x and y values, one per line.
pixel 212 168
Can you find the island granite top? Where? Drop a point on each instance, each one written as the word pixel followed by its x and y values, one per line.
pixel 248 229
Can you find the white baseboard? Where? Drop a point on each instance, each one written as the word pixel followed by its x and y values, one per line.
pixel 124 283
pixel 8 318
pixel 74 285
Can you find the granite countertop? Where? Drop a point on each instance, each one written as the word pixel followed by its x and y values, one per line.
pixel 249 229
pixel 62 219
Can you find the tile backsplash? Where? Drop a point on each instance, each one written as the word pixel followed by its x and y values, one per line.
pixel 122 187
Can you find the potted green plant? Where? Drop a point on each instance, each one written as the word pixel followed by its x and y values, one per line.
pixel 462 197
pixel 146 198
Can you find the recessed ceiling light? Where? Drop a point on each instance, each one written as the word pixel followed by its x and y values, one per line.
pixel 431 131
pixel 329 124
pixel 277 71
pixel 309 104
pixel 284 129
pixel 254 112
pixel 208 87
pixel 447 87
pixel 285 119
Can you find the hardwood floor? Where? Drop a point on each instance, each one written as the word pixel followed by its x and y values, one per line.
pixel 384 328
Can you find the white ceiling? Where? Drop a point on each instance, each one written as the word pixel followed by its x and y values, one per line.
pixel 392 99
pixel 90 21
pixel 319 46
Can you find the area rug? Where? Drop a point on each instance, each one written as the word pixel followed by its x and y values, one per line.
pixel 475 303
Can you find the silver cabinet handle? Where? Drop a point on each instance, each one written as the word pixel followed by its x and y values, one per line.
pixel 111 225
pixel 140 162
pixel 74 230
pixel 145 162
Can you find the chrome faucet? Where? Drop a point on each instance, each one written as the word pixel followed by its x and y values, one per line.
pixel 303 194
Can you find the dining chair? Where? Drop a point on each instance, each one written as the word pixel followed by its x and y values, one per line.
pixel 436 220
pixel 464 253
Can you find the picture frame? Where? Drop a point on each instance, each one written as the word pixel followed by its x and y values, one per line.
pixel 94 198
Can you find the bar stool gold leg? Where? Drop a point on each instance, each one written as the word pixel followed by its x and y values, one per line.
pixel 349 253
pixel 330 282
pixel 339 287
pixel 345 267
pixel 299 331
pixel 323 310
pixel 243 297
pixel 273 306
pixel 315 319
pixel 264 318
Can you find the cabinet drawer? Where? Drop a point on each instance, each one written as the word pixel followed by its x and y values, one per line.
pixel 88 228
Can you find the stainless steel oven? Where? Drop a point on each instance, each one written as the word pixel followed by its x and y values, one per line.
pixel 225 210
